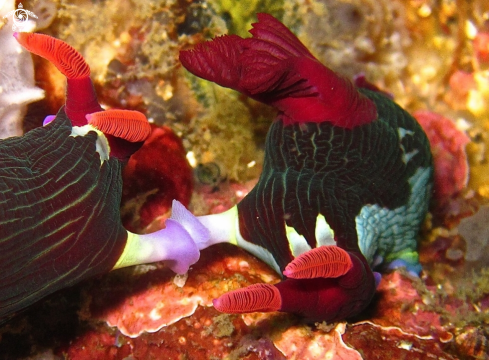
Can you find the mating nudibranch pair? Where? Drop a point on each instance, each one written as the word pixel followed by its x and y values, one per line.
pixel 60 192
pixel 345 185
pixel 346 180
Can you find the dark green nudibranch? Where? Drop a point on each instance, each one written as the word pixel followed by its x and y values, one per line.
pixel 60 192
pixel 345 185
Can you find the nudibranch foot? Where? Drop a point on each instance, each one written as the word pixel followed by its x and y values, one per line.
pixel 378 278
pixel 412 268
pixel 176 244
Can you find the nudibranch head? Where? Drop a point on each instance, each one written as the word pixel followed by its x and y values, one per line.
pixel 125 130
pixel 345 185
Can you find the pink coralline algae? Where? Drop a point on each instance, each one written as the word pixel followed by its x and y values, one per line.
pixel 205 335
pixel 461 83
pixel 155 175
pixel 481 47
pixel 400 305
pixel 299 342
pixel 402 321
pixel 154 299
pixel 400 324
pixel 448 148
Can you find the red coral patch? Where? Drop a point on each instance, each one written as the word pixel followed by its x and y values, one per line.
pixel 155 175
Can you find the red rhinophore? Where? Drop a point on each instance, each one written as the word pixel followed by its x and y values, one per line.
pixel 253 298
pixel 324 261
pixel 125 124
pixel 274 67
pixel 80 94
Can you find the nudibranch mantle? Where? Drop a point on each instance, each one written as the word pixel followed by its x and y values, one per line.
pixel 45 207
pixel 346 180
pixel 390 233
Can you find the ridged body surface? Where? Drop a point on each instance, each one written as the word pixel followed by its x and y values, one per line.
pixel 316 169
pixel 56 199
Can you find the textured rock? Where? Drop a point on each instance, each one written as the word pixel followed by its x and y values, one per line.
pixel 17 88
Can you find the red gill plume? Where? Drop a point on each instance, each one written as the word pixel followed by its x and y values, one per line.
pixel 125 124
pixel 274 67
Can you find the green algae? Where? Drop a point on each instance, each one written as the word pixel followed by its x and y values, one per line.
pixel 464 307
pixel 223 133
pixel 240 16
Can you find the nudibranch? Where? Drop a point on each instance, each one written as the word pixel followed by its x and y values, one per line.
pixel 60 192
pixel 346 180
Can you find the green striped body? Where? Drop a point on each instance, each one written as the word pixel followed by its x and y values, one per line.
pixel 365 188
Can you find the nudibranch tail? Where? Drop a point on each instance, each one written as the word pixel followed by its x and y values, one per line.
pixel 125 124
pixel 253 298
pixel 274 67
pixel 324 261
pixel 81 98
